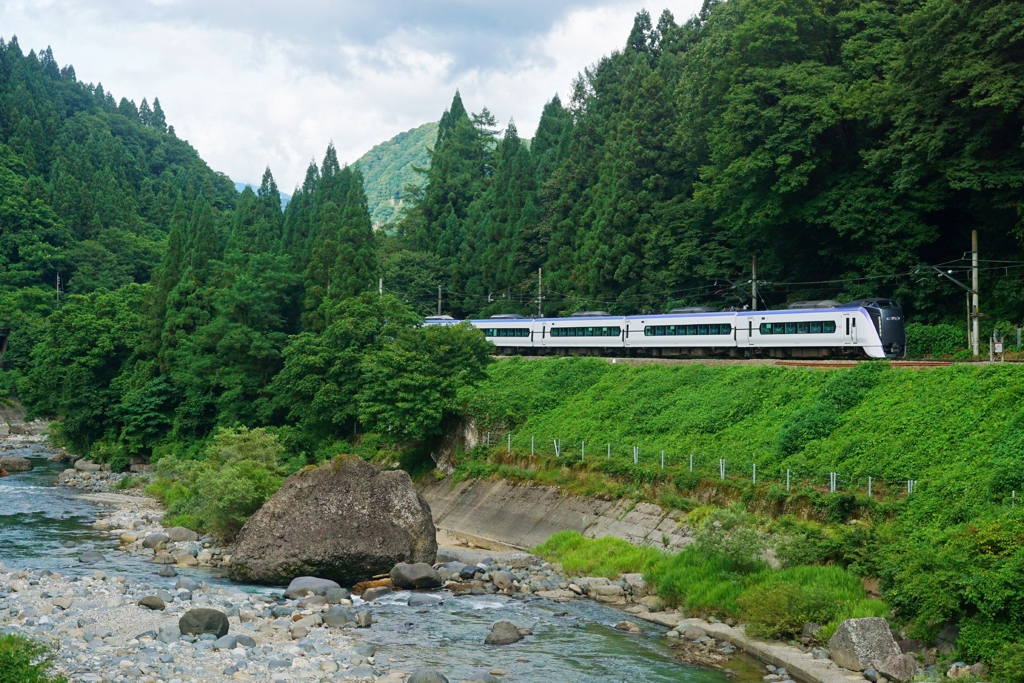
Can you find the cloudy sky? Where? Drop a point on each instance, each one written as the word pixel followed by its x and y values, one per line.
pixel 258 82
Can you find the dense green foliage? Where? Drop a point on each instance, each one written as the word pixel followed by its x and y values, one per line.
pixel 951 552
pixel 393 168
pixel 842 142
pixel 26 661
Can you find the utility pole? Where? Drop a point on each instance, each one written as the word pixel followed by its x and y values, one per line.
pixel 380 287
pixel 58 286
pixel 540 292
pixel 439 299
pixel 753 283
pixel 975 340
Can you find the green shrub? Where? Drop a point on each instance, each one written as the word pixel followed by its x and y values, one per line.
pixel 732 534
pixel 219 493
pixel 934 341
pixel 1008 667
pixel 780 610
pixel 983 639
pixel 786 600
pixel 26 661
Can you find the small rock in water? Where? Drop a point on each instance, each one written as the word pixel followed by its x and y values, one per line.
pixel 91 556
pixel 371 594
pixel 187 584
pixel 364 618
pixel 503 633
pixel 336 595
pixel 168 571
pixel 302 586
pixel 423 600
pixel 627 626
pixel 426 676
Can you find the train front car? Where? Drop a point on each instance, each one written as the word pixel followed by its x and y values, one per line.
pixel 887 319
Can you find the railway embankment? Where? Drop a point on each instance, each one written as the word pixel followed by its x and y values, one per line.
pixel 904 478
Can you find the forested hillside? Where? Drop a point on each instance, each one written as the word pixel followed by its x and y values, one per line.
pixel 182 305
pixel 842 142
pixel 391 167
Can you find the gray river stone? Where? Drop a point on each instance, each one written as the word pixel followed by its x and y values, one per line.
pixel 91 556
pixel 203 621
pixel 858 641
pixel 301 586
pixel 371 594
pixel 416 575
pixel 154 541
pixel 503 633
pixel 423 600
pixel 426 676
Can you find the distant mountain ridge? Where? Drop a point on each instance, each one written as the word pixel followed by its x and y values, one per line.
pixel 285 198
pixel 390 166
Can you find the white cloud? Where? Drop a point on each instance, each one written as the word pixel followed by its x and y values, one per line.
pixel 257 83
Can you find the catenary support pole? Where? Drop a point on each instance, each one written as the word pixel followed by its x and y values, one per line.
pixel 439 299
pixel 510 443
pixel 787 481
pixel 583 451
pixel 531 446
pixel 540 292
pixel 975 322
pixel 663 460
pixel 753 283
pixel 691 462
pixel 869 487
pixel 754 480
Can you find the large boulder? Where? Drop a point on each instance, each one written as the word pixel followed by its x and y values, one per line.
pixel 345 521
pixel 417 575
pixel 16 463
pixel 302 586
pixel 858 641
pixel 87 466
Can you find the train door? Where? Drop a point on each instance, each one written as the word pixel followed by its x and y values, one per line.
pixel 750 331
pixel 850 329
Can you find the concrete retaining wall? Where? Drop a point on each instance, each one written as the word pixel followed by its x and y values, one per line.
pixel 522 515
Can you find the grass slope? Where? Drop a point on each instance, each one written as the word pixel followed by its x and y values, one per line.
pixel 951 552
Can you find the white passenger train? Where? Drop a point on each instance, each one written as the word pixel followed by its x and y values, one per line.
pixel 871 328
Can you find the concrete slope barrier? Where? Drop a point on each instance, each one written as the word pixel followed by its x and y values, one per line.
pixel 523 515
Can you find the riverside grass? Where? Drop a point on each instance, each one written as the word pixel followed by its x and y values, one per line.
pixel 948 553
pixel 774 603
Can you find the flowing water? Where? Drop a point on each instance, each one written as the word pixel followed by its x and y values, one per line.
pixel 571 642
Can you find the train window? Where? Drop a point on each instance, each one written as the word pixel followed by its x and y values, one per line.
pixel 823 327
pixel 686 330
pixel 586 331
pixel 506 332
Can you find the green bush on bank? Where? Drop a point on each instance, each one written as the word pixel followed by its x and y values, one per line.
pixel 26 661
pixel 774 603
pixel 238 472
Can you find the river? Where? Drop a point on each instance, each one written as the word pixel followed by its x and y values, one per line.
pixel 571 642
